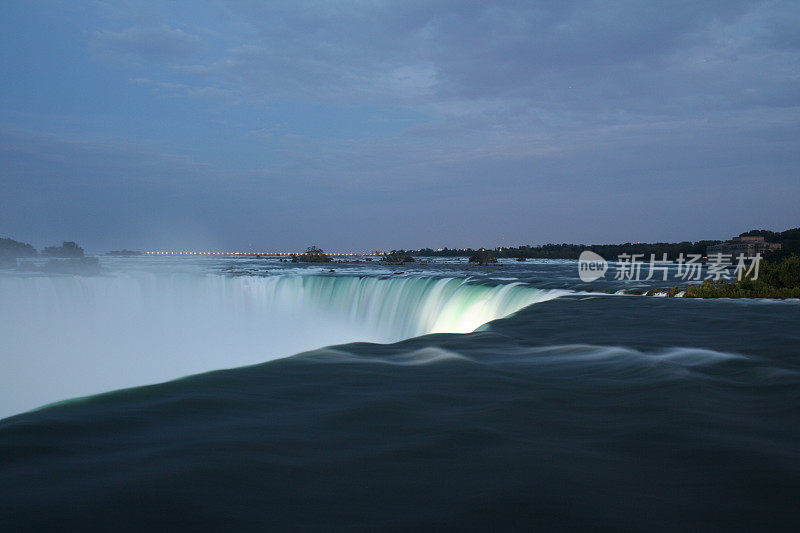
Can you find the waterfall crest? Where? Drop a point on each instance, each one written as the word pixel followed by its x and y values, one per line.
pixel 67 336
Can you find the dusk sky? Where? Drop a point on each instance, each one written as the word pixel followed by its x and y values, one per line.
pixel 363 125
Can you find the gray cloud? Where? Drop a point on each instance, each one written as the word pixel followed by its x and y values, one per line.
pixel 519 68
pixel 148 44
pixel 552 120
pixel 575 59
pixel 195 91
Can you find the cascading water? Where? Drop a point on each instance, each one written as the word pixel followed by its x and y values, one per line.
pixel 62 337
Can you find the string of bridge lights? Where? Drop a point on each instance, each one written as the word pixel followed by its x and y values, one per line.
pixel 273 254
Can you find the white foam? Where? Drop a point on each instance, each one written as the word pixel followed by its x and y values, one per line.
pixel 67 336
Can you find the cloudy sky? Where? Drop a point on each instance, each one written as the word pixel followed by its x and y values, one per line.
pixel 360 125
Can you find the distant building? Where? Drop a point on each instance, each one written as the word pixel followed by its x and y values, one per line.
pixel 749 246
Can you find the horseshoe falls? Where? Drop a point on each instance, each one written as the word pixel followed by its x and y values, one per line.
pixel 70 336
pixel 246 394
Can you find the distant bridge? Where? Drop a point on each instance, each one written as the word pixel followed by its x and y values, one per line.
pixel 253 254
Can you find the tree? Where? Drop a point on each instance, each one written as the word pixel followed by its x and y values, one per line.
pixel 67 249
pixel 315 255
pixel 397 257
pixel 10 250
pixel 482 257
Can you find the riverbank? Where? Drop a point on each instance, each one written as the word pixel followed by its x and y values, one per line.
pixel 776 279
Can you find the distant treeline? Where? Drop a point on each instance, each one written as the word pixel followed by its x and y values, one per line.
pixel 790 240
pixel 774 236
pixel 11 249
pixel 65 259
pixel 572 251
pixel 777 278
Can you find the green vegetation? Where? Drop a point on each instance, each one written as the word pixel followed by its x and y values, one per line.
pixel 482 257
pixel 789 239
pixel 397 257
pixel 10 250
pixel 65 259
pixel 776 279
pixel 68 249
pixel 572 251
pixel 312 255
pixel 15 249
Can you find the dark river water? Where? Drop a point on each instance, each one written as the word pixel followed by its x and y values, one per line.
pixel 577 410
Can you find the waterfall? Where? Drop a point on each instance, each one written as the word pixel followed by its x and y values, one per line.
pixel 65 336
